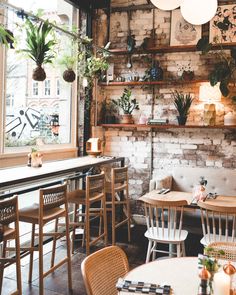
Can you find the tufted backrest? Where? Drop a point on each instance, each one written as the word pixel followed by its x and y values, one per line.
pixel 221 181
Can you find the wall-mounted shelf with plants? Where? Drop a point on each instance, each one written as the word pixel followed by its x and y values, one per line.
pixel 168 49
pixel 140 83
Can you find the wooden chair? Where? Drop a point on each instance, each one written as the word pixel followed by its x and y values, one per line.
pixel 102 269
pixel 118 188
pixel 52 205
pixel 8 215
pixel 164 225
pixel 218 223
pixel 94 193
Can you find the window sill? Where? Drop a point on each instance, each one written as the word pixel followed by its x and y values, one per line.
pixel 12 159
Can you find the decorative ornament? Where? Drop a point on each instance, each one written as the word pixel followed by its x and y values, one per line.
pixel 167 4
pixel 198 12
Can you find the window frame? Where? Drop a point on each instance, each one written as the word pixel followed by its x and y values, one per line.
pixel 12 156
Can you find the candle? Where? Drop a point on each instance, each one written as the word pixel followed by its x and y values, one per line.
pixel 221 284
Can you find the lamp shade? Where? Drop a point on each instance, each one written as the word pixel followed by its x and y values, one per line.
pixel 198 12
pixel 208 93
pixel 167 4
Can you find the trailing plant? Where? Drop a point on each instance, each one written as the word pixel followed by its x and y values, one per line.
pixel 125 102
pixel 40 44
pixel 94 64
pixel 182 103
pixel 224 68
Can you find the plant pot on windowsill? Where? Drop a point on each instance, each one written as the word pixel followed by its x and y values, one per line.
pixel 127 119
pixel 188 75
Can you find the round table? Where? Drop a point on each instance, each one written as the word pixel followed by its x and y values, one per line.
pixel 180 273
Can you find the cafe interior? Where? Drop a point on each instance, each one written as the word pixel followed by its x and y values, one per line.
pixel 118 147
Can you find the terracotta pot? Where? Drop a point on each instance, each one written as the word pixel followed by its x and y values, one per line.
pixel 127 119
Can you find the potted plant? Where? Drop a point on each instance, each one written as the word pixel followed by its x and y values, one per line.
pixel 182 102
pixel 68 61
pixel 128 105
pixel 224 69
pixel 39 46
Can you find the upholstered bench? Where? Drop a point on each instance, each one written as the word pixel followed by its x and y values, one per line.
pixel 221 181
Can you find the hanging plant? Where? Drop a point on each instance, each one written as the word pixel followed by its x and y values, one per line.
pixel 40 44
pixel 225 67
pixel 6 36
pixel 68 61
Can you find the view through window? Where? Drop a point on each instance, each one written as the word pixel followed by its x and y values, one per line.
pixel 31 106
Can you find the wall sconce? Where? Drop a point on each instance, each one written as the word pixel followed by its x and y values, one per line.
pixel 94 147
pixel 54 124
pixel 209 94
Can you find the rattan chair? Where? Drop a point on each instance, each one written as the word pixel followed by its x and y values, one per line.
pixel 102 269
pixel 222 250
pixel 52 205
pixel 118 188
pixel 9 215
pixel 218 223
pixel 94 193
pixel 164 225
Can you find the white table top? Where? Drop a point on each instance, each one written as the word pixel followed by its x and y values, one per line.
pixel 180 273
pixel 21 174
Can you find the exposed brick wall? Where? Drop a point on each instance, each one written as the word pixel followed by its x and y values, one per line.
pixel 173 147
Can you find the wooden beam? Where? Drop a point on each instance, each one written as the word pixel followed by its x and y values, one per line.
pixel 132 8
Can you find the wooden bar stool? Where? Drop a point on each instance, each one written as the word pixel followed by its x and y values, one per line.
pixel 118 188
pixel 8 215
pixel 94 193
pixel 52 205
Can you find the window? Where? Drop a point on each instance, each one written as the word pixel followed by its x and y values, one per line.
pixel 35 88
pixel 47 88
pixel 26 106
pixel 58 87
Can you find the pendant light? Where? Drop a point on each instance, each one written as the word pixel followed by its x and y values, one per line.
pixel 167 4
pixel 198 12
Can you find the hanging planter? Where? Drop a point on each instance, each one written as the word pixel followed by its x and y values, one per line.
pixel 40 43
pixel 68 61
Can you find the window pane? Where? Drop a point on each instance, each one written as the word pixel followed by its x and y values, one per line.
pixel 31 106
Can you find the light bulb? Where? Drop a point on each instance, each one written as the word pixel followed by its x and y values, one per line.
pixel 198 12
pixel 167 4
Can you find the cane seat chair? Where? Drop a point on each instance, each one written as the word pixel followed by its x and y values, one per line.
pixel 222 250
pixel 9 216
pixel 102 269
pixel 93 194
pixel 118 189
pixel 164 221
pixel 218 222
pixel 52 205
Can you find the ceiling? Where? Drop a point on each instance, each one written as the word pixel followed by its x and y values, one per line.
pixel 90 4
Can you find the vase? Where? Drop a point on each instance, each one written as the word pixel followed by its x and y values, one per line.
pixel 182 120
pixel 156 72
pixel 188 75
pixel 127 119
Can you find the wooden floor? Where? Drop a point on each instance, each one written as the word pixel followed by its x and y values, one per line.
pixel 56 283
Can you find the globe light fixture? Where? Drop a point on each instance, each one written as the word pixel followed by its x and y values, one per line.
pixel 167 4
pixel 198 12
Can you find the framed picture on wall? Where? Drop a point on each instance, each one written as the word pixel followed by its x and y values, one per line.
pixel 182 32
pixel 223 25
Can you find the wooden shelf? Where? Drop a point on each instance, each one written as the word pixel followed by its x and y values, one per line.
pixel 140 83
pixel 169 49
pixel 168 126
